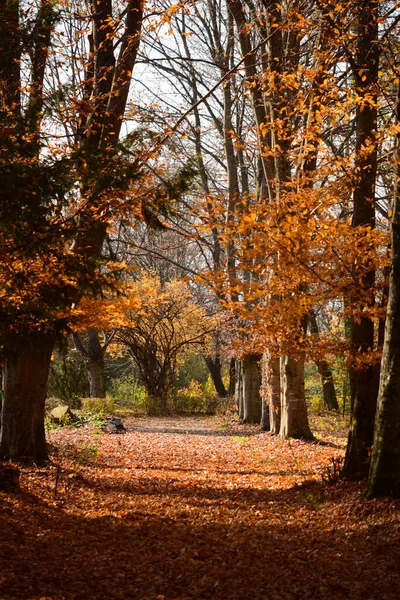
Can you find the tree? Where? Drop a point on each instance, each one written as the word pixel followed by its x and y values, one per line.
pixel 32 186
pixel 93 351
pixel 67 202
pixel 384 473
pixel 328 386
pixel 271 390
pixel 365 65
pixel 273 115
pixel 161 322
pixel 249 383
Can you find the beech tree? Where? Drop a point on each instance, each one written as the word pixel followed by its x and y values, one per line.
pixel 384 473
pixel 365 66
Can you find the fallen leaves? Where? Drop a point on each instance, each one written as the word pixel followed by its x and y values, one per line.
pixel 194 509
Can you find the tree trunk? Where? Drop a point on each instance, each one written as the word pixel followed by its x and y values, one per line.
pixel 275 395
pixel 251 389
pixel 93 355
pixel 157 380
pixel 163 401
pixel 27 369
pixel 294 419
pixel 239 388
pixel 95 365
pixel 232 377
pixel 214 366
pixel 328 385
pixel 265 422
pixel 95 370
pixel 270 390
pixel 384 475
pixel 363 390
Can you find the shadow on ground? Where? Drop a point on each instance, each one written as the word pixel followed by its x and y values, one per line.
pixel 137 555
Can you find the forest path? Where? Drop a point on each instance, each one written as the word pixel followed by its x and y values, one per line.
pixel 194 508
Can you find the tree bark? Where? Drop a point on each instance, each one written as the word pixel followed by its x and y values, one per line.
pixel 294 419
pixel 232 377
pixel 93 355
pixel 271 390
pixel 239 388
pixel 214 366
pixel 363 390
pixel 265 420
pixel 95 369
pixel 328 385
pixel 27 369
pixel 251 389
pixel 384 475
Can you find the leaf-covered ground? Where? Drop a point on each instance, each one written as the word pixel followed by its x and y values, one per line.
pixel 194 508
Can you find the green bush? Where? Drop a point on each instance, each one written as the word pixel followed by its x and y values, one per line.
pixel 195 398
pixel 127 392
pixel 194 368
pixel 68 380
pixel 98 406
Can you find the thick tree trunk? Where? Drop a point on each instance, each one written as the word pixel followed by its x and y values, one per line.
pixel 271 390
pixel 95 370
pixel 251 389
pixel 363 390
pixel 214 366
pixel 158 383
pixel 27 369
pixel 384 474
pixel 294 418
pixel 275 396
pixel 265 422
pixel 162 400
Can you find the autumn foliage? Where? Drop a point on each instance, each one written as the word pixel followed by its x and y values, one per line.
pixel 193 508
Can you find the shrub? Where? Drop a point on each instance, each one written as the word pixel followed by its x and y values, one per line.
pixel 98 406
pixel 194 368
pixel 68 380
pixel 127 392
pixel 195 398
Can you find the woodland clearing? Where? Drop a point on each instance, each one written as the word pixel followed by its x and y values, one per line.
pixel 186 508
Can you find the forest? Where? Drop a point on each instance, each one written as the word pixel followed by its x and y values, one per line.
pixel 199 299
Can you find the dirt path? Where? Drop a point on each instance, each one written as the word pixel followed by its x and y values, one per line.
pixel 181 509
